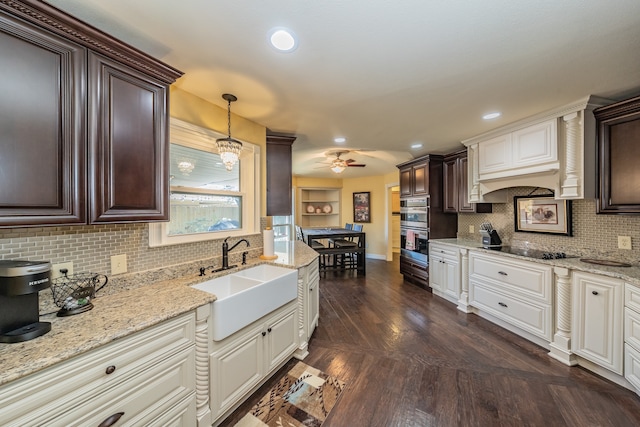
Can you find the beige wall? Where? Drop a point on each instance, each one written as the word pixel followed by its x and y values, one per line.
pixel 380 189
pixel 190 108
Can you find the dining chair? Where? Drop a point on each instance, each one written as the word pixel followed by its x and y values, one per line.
pixel 349 259
pixel 314 244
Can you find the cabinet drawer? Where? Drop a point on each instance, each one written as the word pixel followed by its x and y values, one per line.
pixel 528 316
pixel 632 297
pixel 413 269
pixel 444 252
pixel 528 279
pixel 142 398
pixel 632 328
pixel 81 377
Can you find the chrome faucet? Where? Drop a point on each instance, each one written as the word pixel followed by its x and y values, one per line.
pixel 225 252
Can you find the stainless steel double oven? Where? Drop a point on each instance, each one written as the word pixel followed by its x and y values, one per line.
pixel 414 227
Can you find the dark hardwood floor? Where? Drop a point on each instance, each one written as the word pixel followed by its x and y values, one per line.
pixel 412 359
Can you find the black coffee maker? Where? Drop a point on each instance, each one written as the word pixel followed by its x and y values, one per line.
pixel 20 282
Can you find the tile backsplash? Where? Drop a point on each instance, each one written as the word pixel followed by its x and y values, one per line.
pixel 90 247
pixel 593 235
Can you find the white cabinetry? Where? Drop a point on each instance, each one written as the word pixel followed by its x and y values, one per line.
pixel 597 320
pixel 551 150
pixel 318 207
pixel 516 293
pixel 632 335
pixel 148 378
pixel 444 271
pixel 528 150
pixel 244 360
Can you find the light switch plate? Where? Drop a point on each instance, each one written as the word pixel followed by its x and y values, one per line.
pixel 624 242
pixel 119 264
pixel 472 229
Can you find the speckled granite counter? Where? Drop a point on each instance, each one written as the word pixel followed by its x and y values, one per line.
pixel 628 274
pixel 131 303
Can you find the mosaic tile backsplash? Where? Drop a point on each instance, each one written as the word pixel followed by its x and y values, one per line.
pixel 593 235
pixel 90 247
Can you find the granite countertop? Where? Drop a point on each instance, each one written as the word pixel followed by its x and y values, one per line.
pixel 628 274
pixel 133 303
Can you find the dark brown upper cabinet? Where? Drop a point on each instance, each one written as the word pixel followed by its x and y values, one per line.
pixel 414 178
pixel 456 185
pixel 618 127
pixel 84 120
pixel 279 199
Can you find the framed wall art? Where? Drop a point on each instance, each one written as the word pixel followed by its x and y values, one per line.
pixel 362 207
pixel 542 214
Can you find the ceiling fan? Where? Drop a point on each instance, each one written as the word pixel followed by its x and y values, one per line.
pixel 338 165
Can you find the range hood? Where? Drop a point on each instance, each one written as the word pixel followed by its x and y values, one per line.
pixel 554 150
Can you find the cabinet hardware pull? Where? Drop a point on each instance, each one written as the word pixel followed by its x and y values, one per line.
pixel 502 304
pixel 110 370
pixel 111 420
pixel 594 292
pixel 269 330
pixel 264 333
pixel 502 273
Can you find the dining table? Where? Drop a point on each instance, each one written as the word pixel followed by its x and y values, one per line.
pixel 330 234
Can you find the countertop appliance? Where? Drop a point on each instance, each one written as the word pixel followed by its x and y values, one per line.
pixel 20 282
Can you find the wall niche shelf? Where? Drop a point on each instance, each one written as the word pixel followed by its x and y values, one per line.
pixel 318 207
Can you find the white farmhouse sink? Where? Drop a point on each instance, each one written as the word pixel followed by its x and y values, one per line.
pixel 245 296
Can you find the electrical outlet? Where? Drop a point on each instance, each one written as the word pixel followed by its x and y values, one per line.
pixel 119 264
pixel 472 229
pixel 624 242
pixel 55 269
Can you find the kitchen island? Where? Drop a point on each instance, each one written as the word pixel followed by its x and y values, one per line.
pixel 169 305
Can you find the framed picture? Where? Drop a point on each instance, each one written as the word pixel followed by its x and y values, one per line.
pixel 362 207
pixel 542 214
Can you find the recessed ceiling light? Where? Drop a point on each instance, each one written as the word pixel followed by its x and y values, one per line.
pixel 491 116
pixel 283 39
pixel 416 146
pixel 340 139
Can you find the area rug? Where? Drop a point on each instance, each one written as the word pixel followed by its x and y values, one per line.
pixel 302 398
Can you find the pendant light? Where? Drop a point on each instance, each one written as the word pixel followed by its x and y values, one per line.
pixel 229 148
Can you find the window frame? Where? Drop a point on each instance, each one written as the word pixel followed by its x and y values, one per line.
pixel 200 138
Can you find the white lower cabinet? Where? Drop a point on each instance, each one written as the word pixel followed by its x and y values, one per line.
pixel 632 335
pixel 513 291
pixel 597 333
pixel 147 378
pixel 308 302
pixel 244 360
pixel 444 271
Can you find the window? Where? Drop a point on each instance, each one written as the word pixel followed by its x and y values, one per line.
pixel 207 201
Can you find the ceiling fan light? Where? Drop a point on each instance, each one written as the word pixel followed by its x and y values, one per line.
pixel 338 168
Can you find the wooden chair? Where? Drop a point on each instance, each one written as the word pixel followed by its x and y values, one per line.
pixel 350 259
pixel 314 244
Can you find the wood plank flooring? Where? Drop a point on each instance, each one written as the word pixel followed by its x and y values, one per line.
pixel 411 359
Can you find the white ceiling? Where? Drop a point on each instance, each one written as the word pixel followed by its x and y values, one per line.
pixel 384 73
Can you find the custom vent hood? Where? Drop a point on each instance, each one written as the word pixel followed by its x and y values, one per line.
pixel 555 150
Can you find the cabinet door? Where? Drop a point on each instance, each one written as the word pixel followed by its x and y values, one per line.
pixel 463 186
pixel 436 272
pixel 535 144
pixel 128 146
pixel 451 185
pixel 42 117
pixel 279 174
pixel 451 279
pixel 420 178
pixel 495 155
pixel 405 182
pixel 236 370
pixel 313 308
pixel 597 320
pixel 281 340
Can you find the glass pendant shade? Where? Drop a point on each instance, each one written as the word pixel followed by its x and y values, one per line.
pixel 229 148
